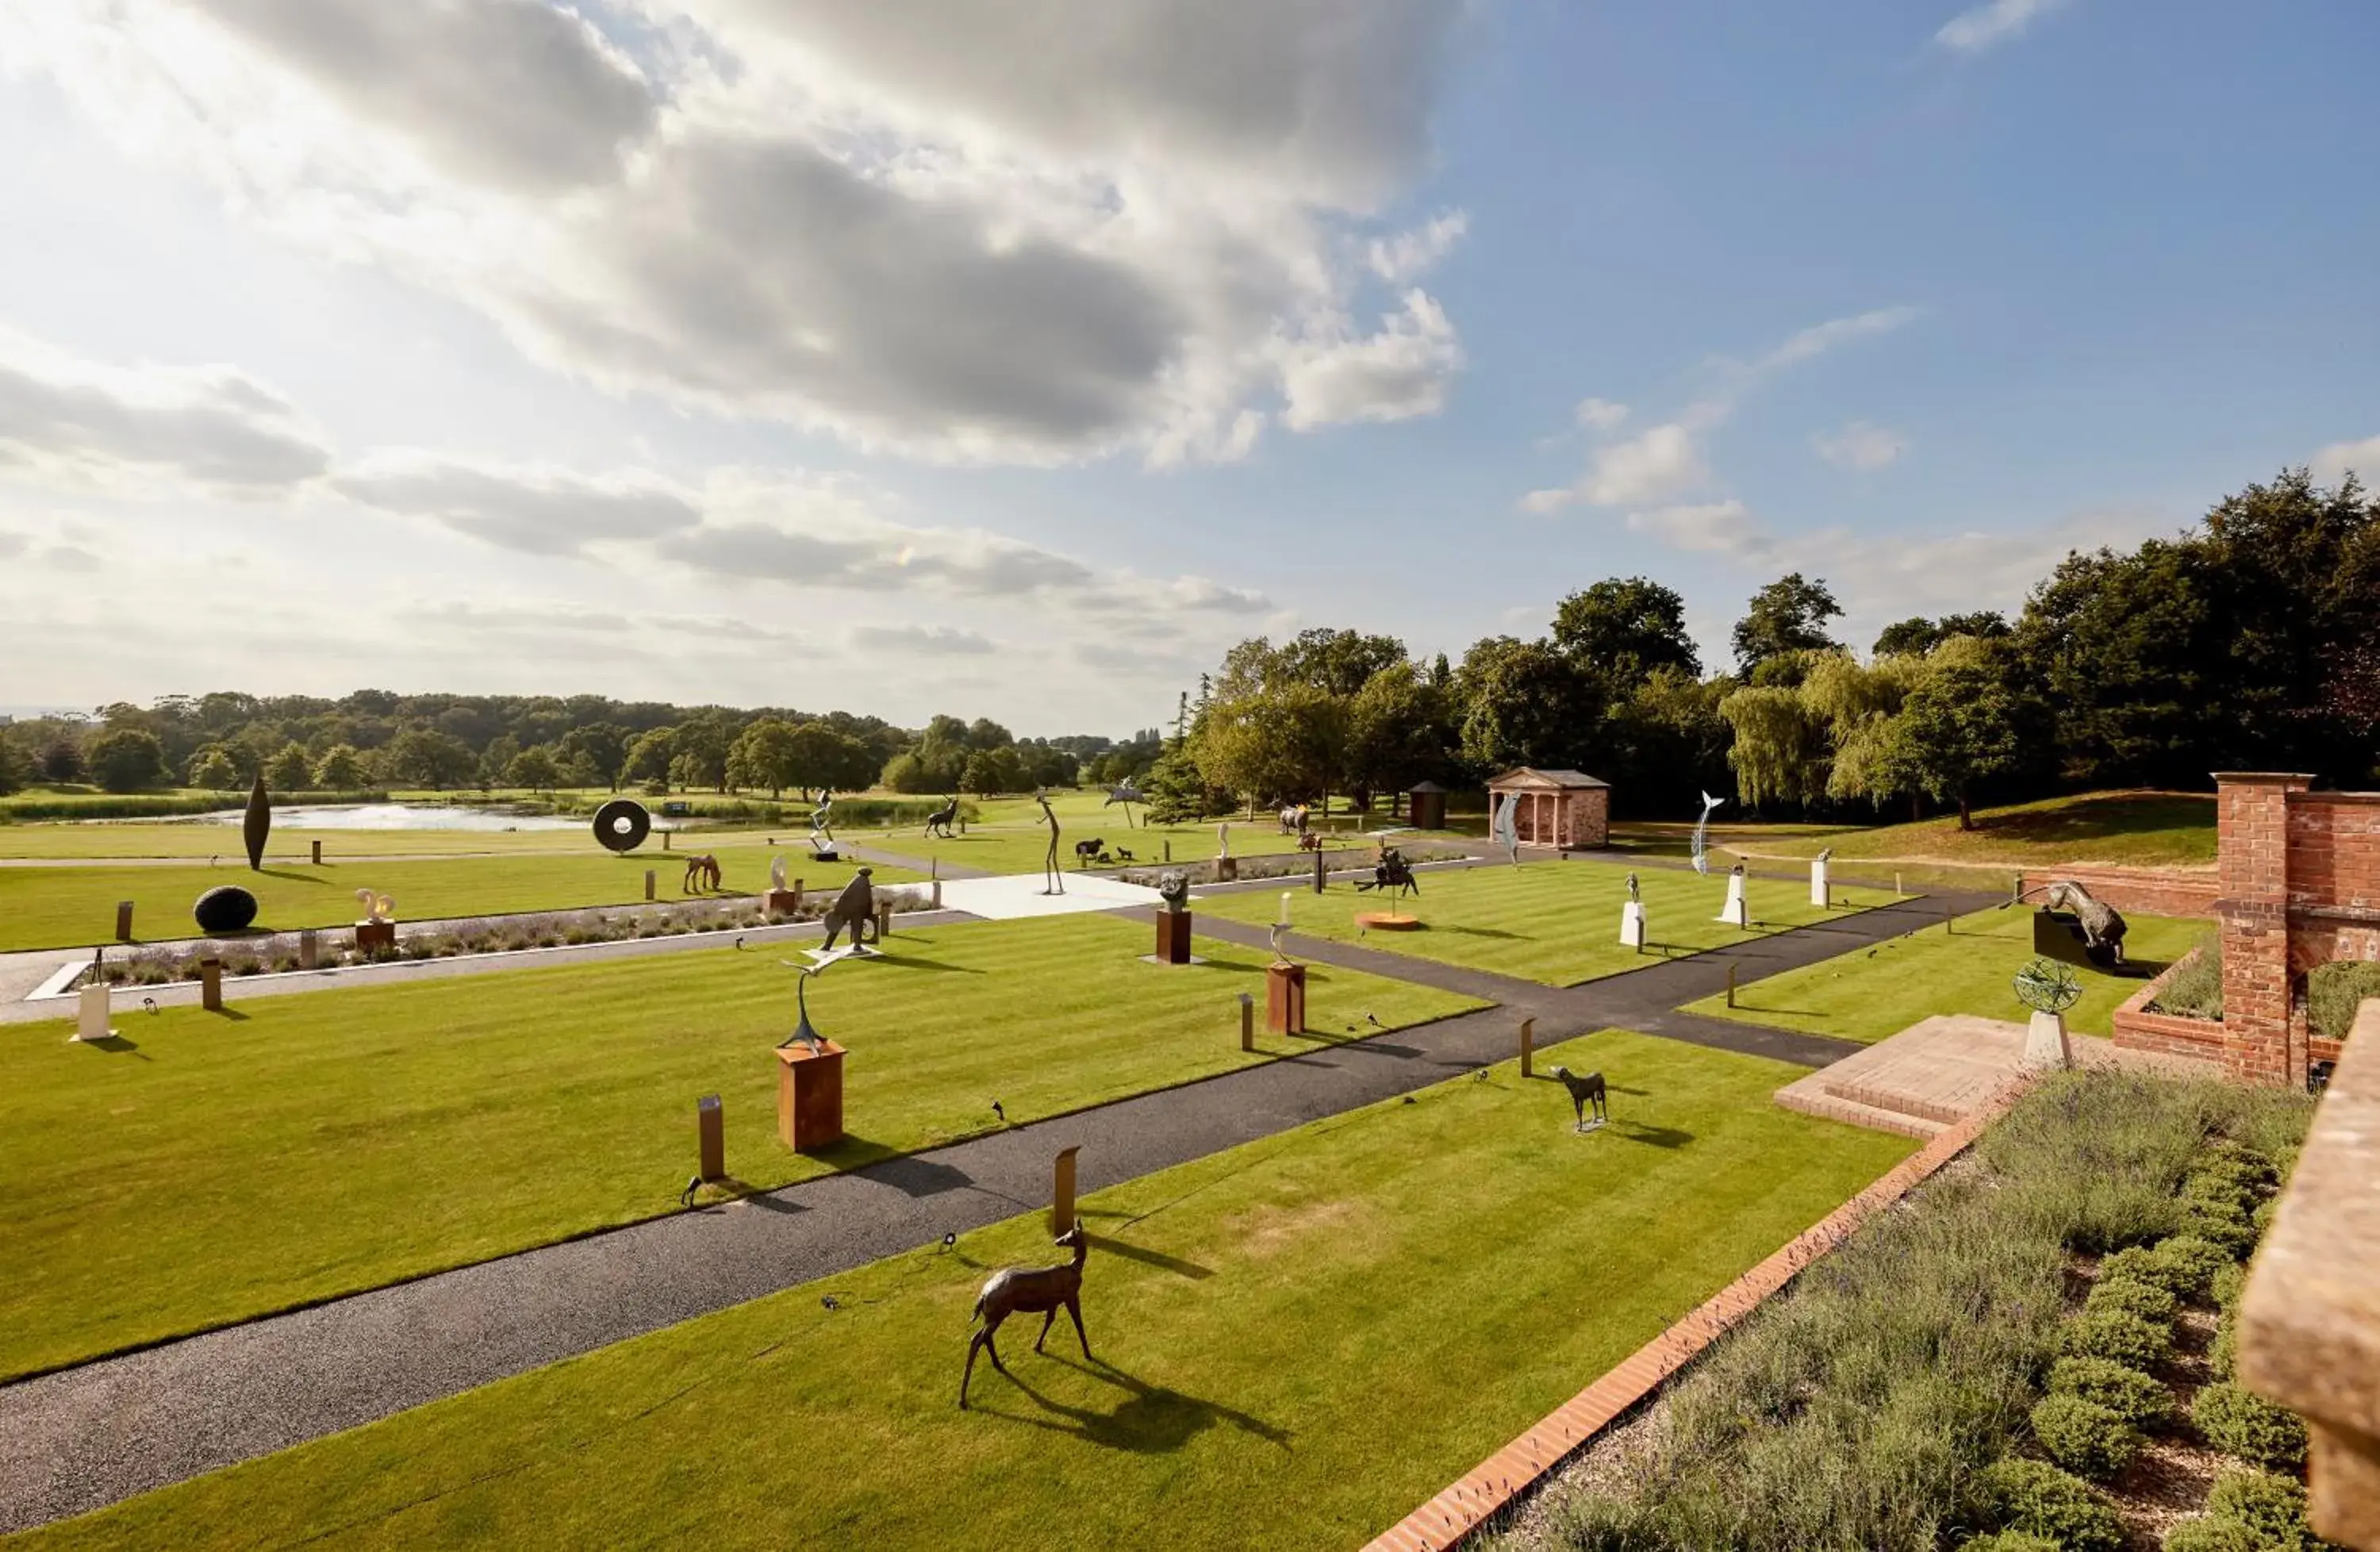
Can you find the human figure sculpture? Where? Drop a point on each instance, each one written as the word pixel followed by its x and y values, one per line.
pixel 1635 895
pixel 1053 878
pixel 854 908
pixel 1029 1290
pixel 701 872
pixel 1223 839
pixel 939 822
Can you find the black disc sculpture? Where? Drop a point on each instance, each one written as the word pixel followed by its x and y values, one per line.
pixel 227 908
pixel 623 824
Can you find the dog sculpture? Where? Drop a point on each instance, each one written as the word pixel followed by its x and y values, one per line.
pixel 939 822
pixel 854 908
pixel 1045 1289
pixel 1586 1094
pixel 702 871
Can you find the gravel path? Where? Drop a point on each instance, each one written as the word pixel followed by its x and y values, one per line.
pixel 87 1436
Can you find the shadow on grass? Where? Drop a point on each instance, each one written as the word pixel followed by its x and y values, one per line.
pixel 1156 1258
pixel 117 1045
pixel 914 961
pixel 1652 1137
pixel 751 1195
pixel 1148 1420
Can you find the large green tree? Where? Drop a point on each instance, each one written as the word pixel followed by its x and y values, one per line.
pixel 126 760
pixel 1958 727
pixel 1788 616
pixel 1525 703
pixel 1626 630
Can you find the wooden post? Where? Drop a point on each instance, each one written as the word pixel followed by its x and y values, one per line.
pixel 1946 921
pixel 649 883
pixel 310 950
pixel 1248 1020
pixel 883 920
pixel 1062 1196
pixel 797 894
pixel 1528 1048
pixel 665 841
pixel 710 1137
pixel 318 854
pixel 1169 849
pixel 1319 873
pixel 124 921
pixel 1731 982
pixel 211 985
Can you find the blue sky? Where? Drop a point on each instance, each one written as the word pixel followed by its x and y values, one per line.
pixel 973 357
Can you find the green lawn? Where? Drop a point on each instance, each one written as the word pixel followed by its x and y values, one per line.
pixel 1297 1340
pixel 2132 828
pixel 1869 994
pixel 1555 922
pixel 221 1166
pixel 63 906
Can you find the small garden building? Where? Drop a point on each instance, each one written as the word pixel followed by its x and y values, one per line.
pixel 1564 809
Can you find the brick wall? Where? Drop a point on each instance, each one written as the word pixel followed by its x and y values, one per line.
pixel 2136 1028
pixel 2152 892
pixel 2334 850
pixel 1591 816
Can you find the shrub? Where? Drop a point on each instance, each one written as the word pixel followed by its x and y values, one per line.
pixel 2219 1190
pixel 2238 1422
pixel 2130 1394
pixel 2132 1296
pixel 2143 1264
pixel 2196 989
pixel 2255 1164
pixel 2186 1263
pixel 2335 991
pixel 2117 1335
pixel 2209 1533
pixel 2086 1439
pixel 2270 1508
pixel 2230 1281
pixel 2261 1222
pixel 2034 1496
pixel 2223 1352
pixel 2230 1232
pixel 2008 1541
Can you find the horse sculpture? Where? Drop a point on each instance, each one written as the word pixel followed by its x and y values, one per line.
pixel 1393 874
pixel 939 822
pixel 1044 1290
pixel 702 871
pixel 1293 818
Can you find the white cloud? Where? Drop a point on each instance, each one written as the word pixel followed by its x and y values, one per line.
pixel 960 230
pixel 67 420
pixel 1410 254
pixel 1713 527
pixel 1404 370
pixel 1820 338
pixel 539 510
pixel 922 641
pixel 2333 462
pixel 1998 21
pixel 1656 464
pixel 1600 415
pixel 1860 445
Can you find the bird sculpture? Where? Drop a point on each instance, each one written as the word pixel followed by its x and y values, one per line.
pixel 1373 1020
pixel 998 1111
pixel 685 1198
pixel 950 1239
pixel 1586 1092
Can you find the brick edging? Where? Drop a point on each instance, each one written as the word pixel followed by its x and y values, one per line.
pixel 1504 1477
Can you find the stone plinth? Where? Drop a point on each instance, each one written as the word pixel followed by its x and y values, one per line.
pixel 1819 887
pixel 2046 1049
pixel 92 1011
pixel 1227 870
pixel 1632 925
pixel 1285 999
pixel 810 1095
pixel 1735 912
pixel 2310 1320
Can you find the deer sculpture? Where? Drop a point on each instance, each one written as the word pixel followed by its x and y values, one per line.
pixel 939 822
pixel 1029 1289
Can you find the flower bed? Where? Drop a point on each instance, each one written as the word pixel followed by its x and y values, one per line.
pixel 2172 1013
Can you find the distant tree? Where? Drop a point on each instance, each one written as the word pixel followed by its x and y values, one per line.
pixel 768 754
pixel 591 755
pixel 906 772
pixel 1525 703
pixel 212 768
pixel 1787 615
pixel 2124 647
pixel 1919 635
pixel 289 770
pixel 1959 726
pixel 649 757
pixel 1339 663
pixel 985 733
pixel 1399 731
pixel 61 760
pixel 339 770
pixel 1276 744
pixel 1782 752
pixel 534 767
pixel 14 767
pixel 1625 631
pixel 1667 743
pixel 702 744
pixel 992 771
pixel 422 756
pixel 128 759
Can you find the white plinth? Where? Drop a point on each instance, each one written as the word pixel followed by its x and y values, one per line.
pixel 91 1013
pixel 1819 895
pixel 1632 924
pixel 2046 1045
pixel 1735 911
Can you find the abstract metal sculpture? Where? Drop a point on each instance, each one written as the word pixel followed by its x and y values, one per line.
pixel 2048 986
pixel 854 908
pixel 622 824
pixel 701 872
pixel 939 822
pixel 777 875
pixel 1127 795
pixel 226 908
pixel 1586 1093
pixel 823 849
pixel 379 909
pixel 258 824
pixel 1508 826
pixel 1030 1290
pixel 1699 846
pixel 1053 878
pixel 804 1032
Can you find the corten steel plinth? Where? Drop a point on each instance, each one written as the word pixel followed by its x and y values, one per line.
pixel 1061 1192
pixel 810 1095
pixel 211 985
pixel 1285 999
pixel 310 950
pixel 1227 870
pixel 124 921
pixel 780 903
pixel 649 883
pixel 1173 937
pixel 372 935
pixel 318 854
pixel 710 1137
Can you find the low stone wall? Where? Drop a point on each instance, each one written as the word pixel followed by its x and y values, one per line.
pixel 2155 891
pixel 2133 1027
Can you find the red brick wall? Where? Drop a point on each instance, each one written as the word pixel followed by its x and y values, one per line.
pixel 2252 820
pixel 2136 1028
pixel 2334 850
pixel 2153 892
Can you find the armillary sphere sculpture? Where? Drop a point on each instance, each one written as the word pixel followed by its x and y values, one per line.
pixel 2048 986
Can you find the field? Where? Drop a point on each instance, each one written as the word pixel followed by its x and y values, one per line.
pixel 1295 1340
pixel 212 1168
pixel 64 906
pixel 1870 994
pixel 2142 828
pixel 1556 923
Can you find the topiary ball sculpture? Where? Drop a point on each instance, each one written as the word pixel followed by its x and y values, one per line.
pixel 226 908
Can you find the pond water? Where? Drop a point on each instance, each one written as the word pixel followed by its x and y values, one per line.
pixel 399 815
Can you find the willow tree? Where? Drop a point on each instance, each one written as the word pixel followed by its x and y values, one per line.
pixel 1782 752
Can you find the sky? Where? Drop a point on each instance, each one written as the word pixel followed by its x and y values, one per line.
pixel 1015 357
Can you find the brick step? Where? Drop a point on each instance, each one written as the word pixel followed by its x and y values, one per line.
pixel 1876 1097
pixel 1828 1107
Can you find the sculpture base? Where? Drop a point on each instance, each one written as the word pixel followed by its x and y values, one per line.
pixel 809 1096
pixel 2046 1049
pixel 1227 870
pixel 1173 937
pixel 92 1011
pixel 1285 999
pixel 1632 925
pixel 1388 921
pixel 827 855
pixel 375 936
pixel 1821 894
pixel 781 902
